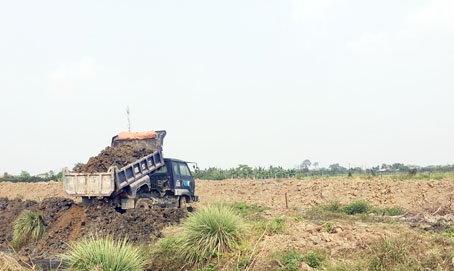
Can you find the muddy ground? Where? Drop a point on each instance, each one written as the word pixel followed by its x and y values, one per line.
pixel 428 205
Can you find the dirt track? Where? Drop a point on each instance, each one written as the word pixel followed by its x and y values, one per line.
pixel 68 221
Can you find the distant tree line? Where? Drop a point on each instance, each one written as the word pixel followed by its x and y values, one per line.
pixel 242 171
pixel 307 169
pixel 26 177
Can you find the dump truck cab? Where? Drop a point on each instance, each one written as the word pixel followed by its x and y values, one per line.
pixel 174 179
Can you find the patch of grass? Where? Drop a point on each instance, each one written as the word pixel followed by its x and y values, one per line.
pixel 314 259
pixel 328 227
pixel 389 211
pixel 298 218
pixel 28 227
pixel 276 226
pixel 105 254
pixel 333 206
pixel 356 207
pixel 352 211
pixel 8 263
pixel 250 212
pixel 322 213
pixel 167 254
pixel 388 254
pixel 289 260
pixel 211 231
pixel 409 251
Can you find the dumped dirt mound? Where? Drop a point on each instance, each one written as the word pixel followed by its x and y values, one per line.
pixel 119 156
pixel 10 209
pixel 68 222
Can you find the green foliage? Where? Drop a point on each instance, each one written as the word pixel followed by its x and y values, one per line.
pixel 289 260
pixel 303 171
pixel 333 206
pixel 334 210
pixel 269 227
pixel 313 259
pixel 328 227
pixel 28 227
pixel 389 211
pixel 26 177
pixel 248 211
pixel 356 207
pixel 388 254
pixel 105 254
pixel 211 231
pixel 168 254
pixel 275 226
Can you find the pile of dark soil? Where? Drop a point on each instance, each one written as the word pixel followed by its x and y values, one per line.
pixel 69 222
pixel 119 156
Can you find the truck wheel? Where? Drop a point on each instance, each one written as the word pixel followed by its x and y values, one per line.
pixel 183 202
pixel 143 204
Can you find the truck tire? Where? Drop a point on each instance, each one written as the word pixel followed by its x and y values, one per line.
pixel 183 202
pixel 143 204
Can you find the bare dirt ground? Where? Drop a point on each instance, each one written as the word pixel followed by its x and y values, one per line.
pixel 427 203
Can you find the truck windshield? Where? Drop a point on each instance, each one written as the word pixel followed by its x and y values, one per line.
pixel 181 169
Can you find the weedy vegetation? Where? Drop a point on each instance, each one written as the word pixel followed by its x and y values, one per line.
pixel 105 254
pixel 28 227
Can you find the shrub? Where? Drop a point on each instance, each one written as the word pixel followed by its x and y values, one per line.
pixel 27 227
pixel 105 254
pixel 210 232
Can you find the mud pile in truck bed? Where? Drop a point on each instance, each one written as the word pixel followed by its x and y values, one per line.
pixel 119 156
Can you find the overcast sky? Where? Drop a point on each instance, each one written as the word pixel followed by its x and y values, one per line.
pixel 261 83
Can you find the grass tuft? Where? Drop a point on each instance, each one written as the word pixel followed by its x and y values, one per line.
pixel 105 254
pixel 28 227
pixel 8 263
pixel 210 232
pixel 356 207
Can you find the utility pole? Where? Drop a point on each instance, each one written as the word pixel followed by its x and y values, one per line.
pixel 129 120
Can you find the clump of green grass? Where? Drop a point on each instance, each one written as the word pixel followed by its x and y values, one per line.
pixel 290 260
pixel 249 212
pixel 313 259
pixel 388 254
pixel 210 232
pixel 356 207
pixel 28 227
pixel 105 254
pixel 276 226
pixel 167 254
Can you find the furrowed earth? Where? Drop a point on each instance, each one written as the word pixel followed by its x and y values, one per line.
pixel 428 204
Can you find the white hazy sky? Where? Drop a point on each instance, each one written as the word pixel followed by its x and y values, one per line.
pixel 262 83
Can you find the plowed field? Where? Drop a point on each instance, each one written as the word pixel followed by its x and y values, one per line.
pixel 427 203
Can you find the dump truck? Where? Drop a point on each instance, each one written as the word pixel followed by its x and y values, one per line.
pixel 150 181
